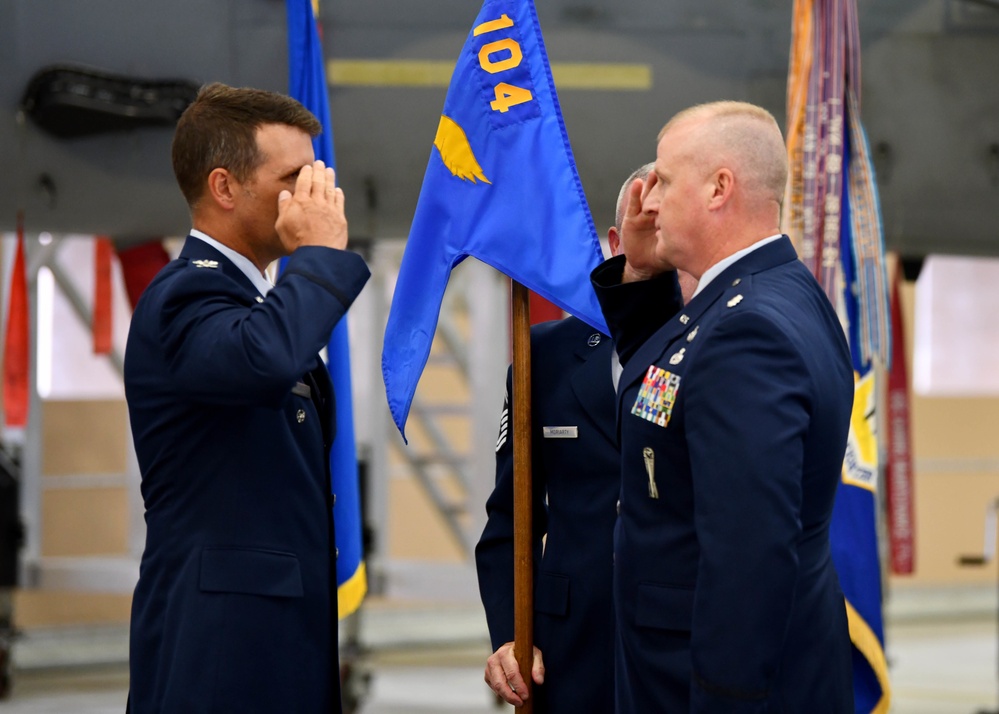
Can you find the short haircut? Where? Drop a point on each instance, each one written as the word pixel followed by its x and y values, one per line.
pixel 642 172
pixel 747 134
pixel 218 130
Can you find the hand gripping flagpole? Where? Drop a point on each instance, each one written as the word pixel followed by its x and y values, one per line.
pixel 523 511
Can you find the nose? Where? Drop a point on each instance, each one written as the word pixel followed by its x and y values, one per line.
pixel 651 202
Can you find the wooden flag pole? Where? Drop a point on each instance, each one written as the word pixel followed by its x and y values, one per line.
pixel 523 511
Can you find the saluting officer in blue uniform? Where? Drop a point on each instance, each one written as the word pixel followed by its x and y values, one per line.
pixel 232 415
pixel 576 474
pixel 733 420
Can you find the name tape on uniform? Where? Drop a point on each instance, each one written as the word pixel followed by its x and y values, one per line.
pixel 560 432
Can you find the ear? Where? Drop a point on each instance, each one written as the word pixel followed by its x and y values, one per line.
pixel 222 188
pixel 614 240
pixel 722 187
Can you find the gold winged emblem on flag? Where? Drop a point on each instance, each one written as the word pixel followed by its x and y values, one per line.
pixel 457 154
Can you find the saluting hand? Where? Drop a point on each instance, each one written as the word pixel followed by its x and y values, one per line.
pixel 314 214
pixel 638 233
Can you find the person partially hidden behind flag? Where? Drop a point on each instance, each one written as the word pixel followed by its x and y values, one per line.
pixel 576 472
pixel 231 411
pixel 733 422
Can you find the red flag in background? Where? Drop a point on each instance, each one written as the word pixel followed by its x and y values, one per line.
pixel 542 310
pixel 899 476
pixel 16 349
pixel 102 318
pixel 139 266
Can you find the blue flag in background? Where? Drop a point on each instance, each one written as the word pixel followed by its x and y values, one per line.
pixel 853 533
pixel 307 84
pixel 501 185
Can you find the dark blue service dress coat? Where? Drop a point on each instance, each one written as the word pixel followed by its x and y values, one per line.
pixel 733 424
pixel 232 417
pixel 576 468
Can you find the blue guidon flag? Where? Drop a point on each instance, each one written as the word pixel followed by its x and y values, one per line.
pixel 501 185
pixel 307 84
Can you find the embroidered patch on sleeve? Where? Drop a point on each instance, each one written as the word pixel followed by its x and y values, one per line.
pixel 657 396
pixel 504 429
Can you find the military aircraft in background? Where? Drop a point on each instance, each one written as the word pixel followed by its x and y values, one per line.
pixel 622 67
